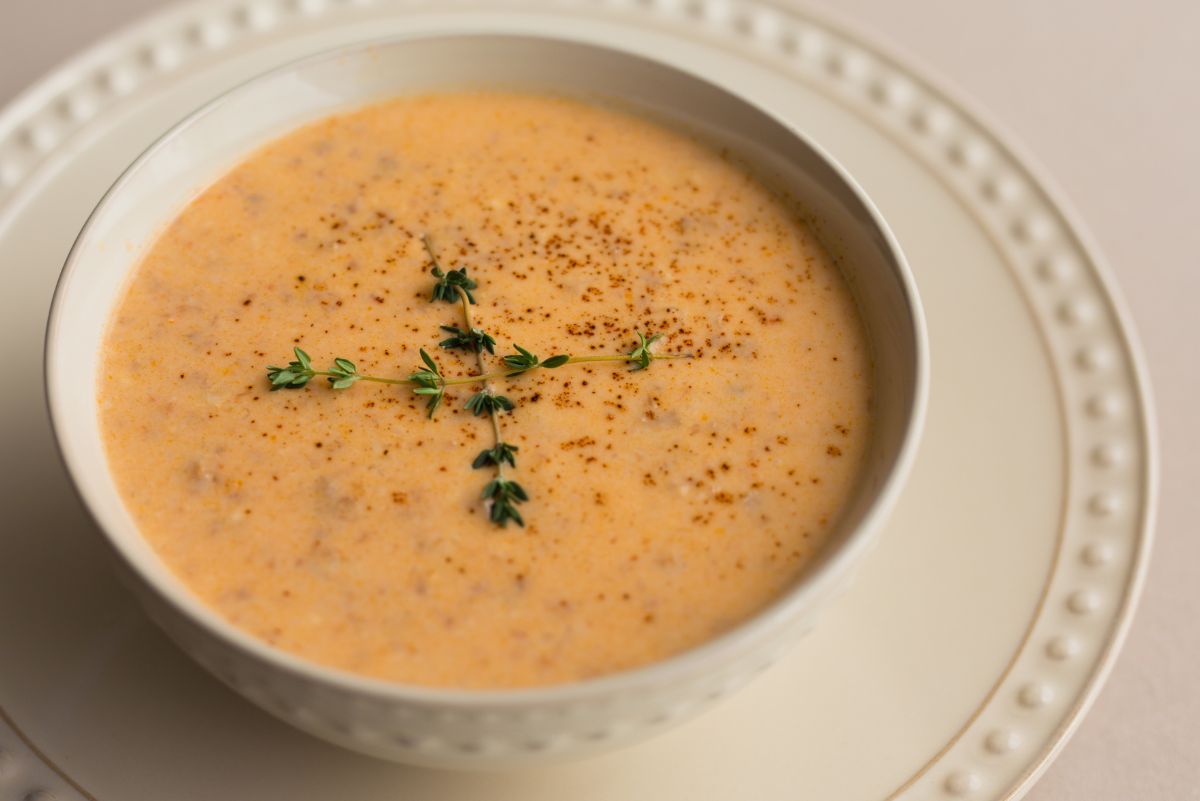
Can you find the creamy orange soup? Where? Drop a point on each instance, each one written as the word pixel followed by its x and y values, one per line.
pixel 666 505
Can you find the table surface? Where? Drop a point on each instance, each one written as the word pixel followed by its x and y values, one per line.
pixel 1103 94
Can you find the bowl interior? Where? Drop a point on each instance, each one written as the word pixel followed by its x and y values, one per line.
pixel 202 147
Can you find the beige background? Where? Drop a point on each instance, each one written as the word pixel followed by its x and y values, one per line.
pixel 1106 95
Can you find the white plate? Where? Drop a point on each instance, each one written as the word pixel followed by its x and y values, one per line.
pixel 975 636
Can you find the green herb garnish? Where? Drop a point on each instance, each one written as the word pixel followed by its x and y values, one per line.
pixel 501 453
pixel 294 376
pixel 473 340
pixel 521 361
pixel 429 382
pixel 641 355
pixel 486 403
pixel 502 493
pixel 449 284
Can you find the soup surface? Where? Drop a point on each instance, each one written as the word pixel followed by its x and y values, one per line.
pixel 665 505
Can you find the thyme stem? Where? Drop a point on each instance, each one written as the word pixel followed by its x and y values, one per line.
pixel 484 377
pixel 425 240
pixel 377 379
pixel 508 372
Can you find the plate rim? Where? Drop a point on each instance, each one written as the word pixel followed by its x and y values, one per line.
pixel 41 94
pixel 1043 181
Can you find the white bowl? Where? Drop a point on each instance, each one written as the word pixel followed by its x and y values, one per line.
pixel 469 729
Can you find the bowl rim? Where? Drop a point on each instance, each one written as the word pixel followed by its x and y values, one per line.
pixel 719 649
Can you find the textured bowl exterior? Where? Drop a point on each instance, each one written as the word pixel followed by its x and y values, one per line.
pixel 513 731
pixel 484 729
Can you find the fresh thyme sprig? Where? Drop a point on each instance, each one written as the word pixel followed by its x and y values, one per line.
pixel 342 375
pixel 295 375
pixel 523 361
pixel 520 361
pixel 641 355
pixel 474 340
pixel 429 382
pixel 449 284
pixel 487 402
pixel 502 493
pixel 501 453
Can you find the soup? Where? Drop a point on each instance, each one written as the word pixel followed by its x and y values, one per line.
pixel 662 506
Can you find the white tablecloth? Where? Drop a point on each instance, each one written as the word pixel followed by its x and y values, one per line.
pixel 1106 94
